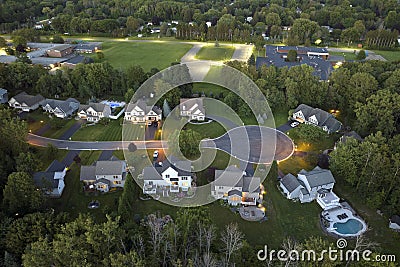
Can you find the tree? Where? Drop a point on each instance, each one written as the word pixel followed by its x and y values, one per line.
pixel 189 141
pixel 51 151
pixel 23 58
pixel 3 42
pixel 272 19
pixel 379 113
pixel 118 259
pixel 132 24
pixel 19 41
pixel 100 55
pixel 20 194
pixel 57 39
pixel 304 29
pixel 127 199
pixel 27 162
pixel 361 55
pixel 251 61
pixel 292 56
pixel 310 133
pixel 232 239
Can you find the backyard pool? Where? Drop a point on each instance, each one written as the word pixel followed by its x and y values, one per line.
pixel 113 104
pixel 351 227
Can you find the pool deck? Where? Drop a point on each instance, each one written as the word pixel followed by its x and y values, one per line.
pixel 341 214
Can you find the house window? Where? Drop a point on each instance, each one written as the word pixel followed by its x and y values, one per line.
pixel 115 176
pixel 220 187
pixel 184 178
pixel 117 182
pixel 167 176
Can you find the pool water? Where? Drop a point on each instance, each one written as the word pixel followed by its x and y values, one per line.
pixel 351 227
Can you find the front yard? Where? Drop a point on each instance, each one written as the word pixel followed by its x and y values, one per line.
pixel 99 132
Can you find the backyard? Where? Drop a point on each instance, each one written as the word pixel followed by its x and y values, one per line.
pixel 211 52
pixel 146 54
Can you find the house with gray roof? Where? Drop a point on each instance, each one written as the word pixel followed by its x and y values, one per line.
pixel 104 174
pixel 141 111
pixel 94 112
pixel 192 108
pixel 316 184
pixel 51 181
pixel 236 187
pixel 71 63
pixel 61 108
pixel 3 96
pixel 317 117
pixel 26 102
pixel 171 175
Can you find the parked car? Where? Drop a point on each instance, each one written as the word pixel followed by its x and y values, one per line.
pixel 155 154
pixel 294 124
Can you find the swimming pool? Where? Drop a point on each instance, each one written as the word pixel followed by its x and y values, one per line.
pixel 113 104
pixel 351 227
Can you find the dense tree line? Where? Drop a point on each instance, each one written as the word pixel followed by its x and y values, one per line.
pixel 242 21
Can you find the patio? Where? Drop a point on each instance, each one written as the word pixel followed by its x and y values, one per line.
pixel 251 213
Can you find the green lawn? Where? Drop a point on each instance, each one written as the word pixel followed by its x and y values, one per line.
pixel 346 55
pixel 326 142
pixel 99 132
pixel 280 116
pixel 207 130
pixel 389 55
pixel 146 54
pixel 294 164
pixel 210 90
pixel 211 52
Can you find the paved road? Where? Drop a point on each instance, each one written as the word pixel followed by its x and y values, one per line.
pixel 73 129
pixel 43 129
pixel 37 140
pixel 250 151
pixel 371 54
pixel 253 144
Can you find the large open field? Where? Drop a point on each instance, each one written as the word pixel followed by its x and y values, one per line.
pixel 146 54
pixel 215 53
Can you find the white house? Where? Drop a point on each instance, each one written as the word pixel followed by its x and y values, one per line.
pixel 317 117
pixel 394 222
pixel 94 112
pixel 233 185
pixel 192 108
pixel 141 112
pixel 26 102
pixel 51 181
pixel 308 186
pixel 104 175
pixel 3 96
pixel 61 108
pixel 172 175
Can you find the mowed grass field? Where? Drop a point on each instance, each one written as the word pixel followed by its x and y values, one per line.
pixel 99 132
pixel 146 54
pixel 211 52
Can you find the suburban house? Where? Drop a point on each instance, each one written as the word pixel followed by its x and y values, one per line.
pixel 233 185
pixel 308 186
pixel 51 181
pixel 141 112
pixel 394 222
pixel 60 51
pixel 73 62
pixel 61 108
pixel 104 175
pixel 346 136
pixel 318 117
pixel 192 108
pixel 94 112
pixel 26 102
pixel 170 175
pixel 3 96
